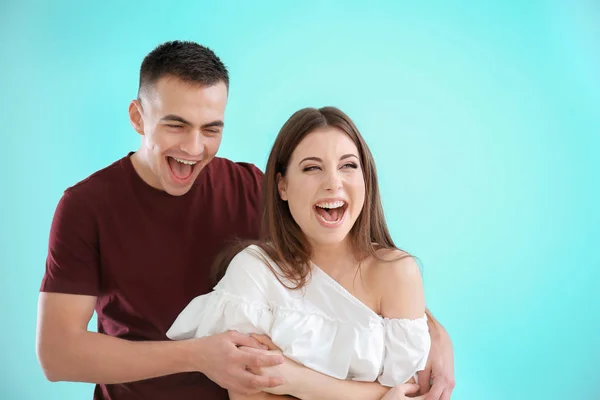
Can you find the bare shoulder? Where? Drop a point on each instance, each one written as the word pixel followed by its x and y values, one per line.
pixel 399 283
pixel 394 266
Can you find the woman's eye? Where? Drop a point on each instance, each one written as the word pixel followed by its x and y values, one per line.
pixel 311 168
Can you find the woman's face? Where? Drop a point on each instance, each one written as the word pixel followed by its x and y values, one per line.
pixel 324 186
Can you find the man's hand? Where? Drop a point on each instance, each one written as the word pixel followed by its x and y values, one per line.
pixel 440 365
pixel 288 371
pixel 401 392
pixel 265 341
pixel 223 362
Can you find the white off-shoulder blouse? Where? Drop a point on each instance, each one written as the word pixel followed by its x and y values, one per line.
pixel 321 326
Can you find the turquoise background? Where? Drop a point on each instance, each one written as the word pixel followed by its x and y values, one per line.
pixel 484 118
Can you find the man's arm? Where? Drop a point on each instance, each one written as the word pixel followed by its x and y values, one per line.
pixel 67 351
pixel 440 364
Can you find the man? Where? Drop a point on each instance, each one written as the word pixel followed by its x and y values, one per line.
pixel 135 241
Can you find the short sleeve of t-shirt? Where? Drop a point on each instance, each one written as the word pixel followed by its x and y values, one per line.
pixel 251 183
pixel 73 261
pixel 248 190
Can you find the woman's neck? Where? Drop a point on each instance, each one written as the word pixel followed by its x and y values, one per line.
pixel 334 258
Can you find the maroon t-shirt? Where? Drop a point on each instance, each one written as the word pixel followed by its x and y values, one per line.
pixel 145 254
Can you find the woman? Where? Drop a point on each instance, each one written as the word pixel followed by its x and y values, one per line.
pixel 326 282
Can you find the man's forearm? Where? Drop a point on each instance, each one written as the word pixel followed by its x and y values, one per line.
pixel 436 330
pixel 98 358
pixel 431 321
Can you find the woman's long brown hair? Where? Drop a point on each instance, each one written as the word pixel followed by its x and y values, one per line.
pixel 281 238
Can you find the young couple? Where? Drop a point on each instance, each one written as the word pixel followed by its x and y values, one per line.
pixel 315 302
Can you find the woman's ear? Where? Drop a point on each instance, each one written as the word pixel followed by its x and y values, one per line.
pixel 282 187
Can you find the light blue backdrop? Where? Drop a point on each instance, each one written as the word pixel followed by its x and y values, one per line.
pixel 483 118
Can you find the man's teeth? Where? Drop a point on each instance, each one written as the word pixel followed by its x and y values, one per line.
pixel 181 160
pixel 334 204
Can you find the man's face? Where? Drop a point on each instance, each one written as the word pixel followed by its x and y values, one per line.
pixel 181 125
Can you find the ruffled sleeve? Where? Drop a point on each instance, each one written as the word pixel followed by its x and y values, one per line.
pixel 238 302
pixel 407 344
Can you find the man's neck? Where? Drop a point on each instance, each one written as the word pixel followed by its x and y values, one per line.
pixel 142 168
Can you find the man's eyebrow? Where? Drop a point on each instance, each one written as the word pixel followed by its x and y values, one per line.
pixel 217 124
pixel 172 117
pixel 177 118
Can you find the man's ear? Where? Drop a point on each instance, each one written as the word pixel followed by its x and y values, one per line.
pixel 135 116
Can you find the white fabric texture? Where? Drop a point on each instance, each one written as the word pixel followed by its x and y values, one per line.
pixel 321 326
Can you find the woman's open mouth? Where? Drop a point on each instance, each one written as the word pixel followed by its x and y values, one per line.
pixel 330 213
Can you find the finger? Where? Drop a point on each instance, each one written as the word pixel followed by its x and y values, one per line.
pixel 265 340
pixel 409 388
pixel 260 358
pixel 239 339
pixel 436 390
pixel 259 382
pixel 446 394
pixel 252 350
pixel 255 371
pixel 262 339
pixel 424 380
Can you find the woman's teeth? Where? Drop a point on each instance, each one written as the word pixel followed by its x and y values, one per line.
pixel 334 204
pixel 330 212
